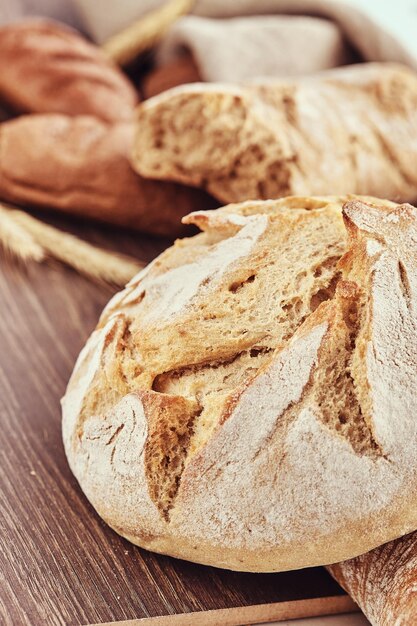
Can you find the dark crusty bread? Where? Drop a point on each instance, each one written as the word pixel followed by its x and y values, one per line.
pixel 46 67
pixel 248 400
pixel 350 130
pixel 384 582
pixel 181 71
pixel 80 165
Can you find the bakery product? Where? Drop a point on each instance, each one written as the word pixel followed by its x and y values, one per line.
pixel 46 67
pixel 350 130
pixel 79 165
pixel 383 582
pixel 248 400
pixel 200 427
pixel 181 71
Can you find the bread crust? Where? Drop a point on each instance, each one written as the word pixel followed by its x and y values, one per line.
pixel 79 165
pixel 383 582
pixel 350 130
pixel 46 67
pixel 300 447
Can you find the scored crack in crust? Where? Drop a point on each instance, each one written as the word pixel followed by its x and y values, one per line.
pixel 247 401
pixel 349 130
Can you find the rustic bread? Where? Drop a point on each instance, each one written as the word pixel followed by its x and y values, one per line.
pixel 181 71
pixel 350 130
pixel 46 67
pixel 248 400
pixel 384 582
pixel 80 165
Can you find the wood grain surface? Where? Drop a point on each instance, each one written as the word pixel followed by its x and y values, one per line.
pixel 59 563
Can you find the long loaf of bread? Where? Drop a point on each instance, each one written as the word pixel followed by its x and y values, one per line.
pixel 46 67
pixel 80 165
pixel 351 130
pixel 384 582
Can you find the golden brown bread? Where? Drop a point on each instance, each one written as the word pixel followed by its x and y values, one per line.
pixel 350 130
pixel 383 582
pixel 248 400
pixel 80 165
pixel 178 72
pixel 46 67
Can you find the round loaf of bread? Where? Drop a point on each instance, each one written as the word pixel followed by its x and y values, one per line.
pixel 248 401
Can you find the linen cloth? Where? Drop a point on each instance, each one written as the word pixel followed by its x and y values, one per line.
pixel 238 49
pixel 298 37
pixel 379 30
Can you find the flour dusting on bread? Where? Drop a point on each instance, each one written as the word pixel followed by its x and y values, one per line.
pixel 349 130
pixel 175 289
pixel 246 397
pixel 383 582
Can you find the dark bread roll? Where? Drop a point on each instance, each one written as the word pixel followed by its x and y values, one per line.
pixel 79 165
pixel 46 67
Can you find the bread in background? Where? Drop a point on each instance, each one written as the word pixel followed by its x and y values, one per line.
pixel 79 165
pixel 350 130
pixel 178 72
pixel 46 67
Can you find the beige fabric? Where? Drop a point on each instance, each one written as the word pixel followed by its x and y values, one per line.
pixel 243 48
pixel 63 10
pixel 381 30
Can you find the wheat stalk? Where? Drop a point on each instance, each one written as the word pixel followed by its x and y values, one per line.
pixel 16 240
pixel 145 33
pixel 29 238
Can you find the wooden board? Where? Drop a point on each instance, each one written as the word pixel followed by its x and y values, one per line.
pixel 59 563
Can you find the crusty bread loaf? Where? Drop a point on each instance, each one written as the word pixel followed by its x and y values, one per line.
pixel 181 71
pixel 248 400
pixel 384 582
pixel 80 165
pixel 350 130
pixel 46 67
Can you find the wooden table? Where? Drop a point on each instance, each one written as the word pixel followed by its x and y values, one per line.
pixel 59 562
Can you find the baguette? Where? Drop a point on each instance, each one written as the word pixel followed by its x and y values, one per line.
pixel 46 67
pixel 248 400
pixel 350 130
pixel 383 582
pixel 79 165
